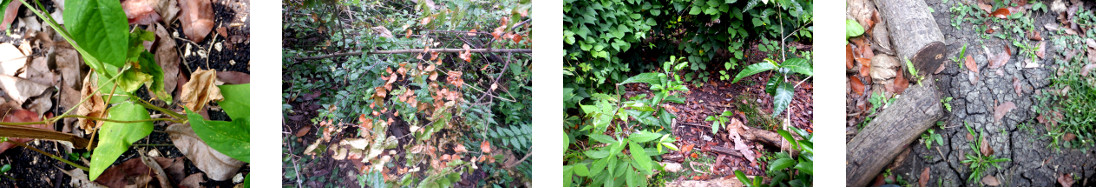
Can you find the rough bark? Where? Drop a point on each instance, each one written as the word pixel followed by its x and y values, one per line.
pixel 918 39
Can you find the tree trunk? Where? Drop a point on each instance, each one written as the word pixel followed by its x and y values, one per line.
pixel 915 37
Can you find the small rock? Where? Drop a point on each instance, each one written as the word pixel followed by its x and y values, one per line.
pixel 706 138
pixel 238 178
pixel 217 46
pixel 154 153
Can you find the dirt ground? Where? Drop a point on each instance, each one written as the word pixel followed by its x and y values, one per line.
pixel 1017 136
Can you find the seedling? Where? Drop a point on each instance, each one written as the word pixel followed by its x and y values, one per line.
pixel 979 161
pixel 947 103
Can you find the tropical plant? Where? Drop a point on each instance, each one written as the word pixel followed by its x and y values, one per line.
pixel 778 86
pixel 719 120
pixel 787 169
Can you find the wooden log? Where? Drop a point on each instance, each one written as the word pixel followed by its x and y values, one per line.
pixel 914 36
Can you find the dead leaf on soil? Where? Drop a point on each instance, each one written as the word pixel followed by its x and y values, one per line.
pixel 233 77
pixel 197 19
pixel 200 90
pixel 971 65
pixel 194 180
pixel 12 60
pixel 1065 179
pixel 991 181
pixel 998 60
pixel 22 90
pixel 132 173
pixel 10 14
pixel 985 7
pixel 856 84
pixel 1001 13
pixel 940 68
pixel 973 78
pixel 883 67
pixel 80 179
pixel 167 57
pixel 218 166
pixel 142 12
pixel 1016 84
pixel 848 56
pixel 1042 51
pixel 924 179
pixel 93 107
pixel 1069 137
pixel 1003 109
pixel 985 147
pixel 303 131
pixel 900 83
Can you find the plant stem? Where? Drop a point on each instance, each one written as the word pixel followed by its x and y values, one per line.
pixel 50 155
pixel 157 108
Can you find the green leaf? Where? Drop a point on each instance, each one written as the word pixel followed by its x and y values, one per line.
pixel 753 69
pixel 781 164
pixel 798 65
pixel 787 137
pixel 100 27
pixel 4 6
pixel 783 98
pixel 643 136
pixel 650 78
pixel 237 102
pixel 715 127
pixel 742 177
pixel 805 167
pixel 598 166
pixel 581 170
pixel 853 28
pixel 602 138
pixel 567 175
pixel 230 138
pixel 132 79
pixel 150 67
pixel 115 138
pixel 596 154
pixel 566 142
pixel 640 156
pixel 5 168
pixel 247 181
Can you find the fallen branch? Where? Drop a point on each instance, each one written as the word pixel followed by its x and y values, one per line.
pixel 24 132
pixel 443 50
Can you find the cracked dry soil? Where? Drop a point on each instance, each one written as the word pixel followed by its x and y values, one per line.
pixel 1016 136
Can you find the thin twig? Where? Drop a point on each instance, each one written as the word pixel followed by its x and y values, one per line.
pixel 50 155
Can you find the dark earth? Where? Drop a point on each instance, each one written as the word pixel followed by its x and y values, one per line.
pixel 32 169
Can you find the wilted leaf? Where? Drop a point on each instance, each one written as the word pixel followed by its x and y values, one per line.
pixel 985 147
pixel 21 89
pixel 998 60
pixel 167 57
pixel 466 55
pixel 985 7
pixel 883 67
pixel 10 14
pixel 900 83
pixel 197 19
pixel 1016 85
pixel 940 68
pixel 848 56
pixel 971 65
pixel 989 180
pixel 856 84
pixel 1001 13
pixel 142 12
pixel 1002 109
pixel 973 78
pixel 460 148
pixel 924 179
pixel 218 166
pixel 485 146
pixel 132 173
pixel 1065 179
pixel 200 90
pixel 93 107
pixel 1041 49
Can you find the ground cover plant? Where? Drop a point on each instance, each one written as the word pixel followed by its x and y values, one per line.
pixel 407 94
pixel 1013 88
pixel 669 93
pixel 85 98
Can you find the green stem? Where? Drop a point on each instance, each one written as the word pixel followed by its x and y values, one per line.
pixel 157 108
pixel 50 155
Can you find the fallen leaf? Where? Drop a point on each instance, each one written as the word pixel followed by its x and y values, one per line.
pixel 900 83
pixel 141 12
pixel 1034 35
pixel 499 31
pixel 303 131
pixel 924 180
pixel 218 166
pixel 1042 51
pixel 1016 85
pixel 1001 13
pixel 998 60
pixel 1068 137
pixel 19 115
pixel 991 181
pixel 167 57
pixel 985 7
pixel 687 148
pixel 200 90
pixel 856 84
pixel 174 167
pixel 1065 179
pixel 10 14
pixel 848 56
pixel 460 148
pixel 131 173
pixel 93 107
pixel 1003 109
pixel 884 67
pixel 233 77
pixel 194 180
pixel 985 147
pixel 382 31
pixel 80 179
pixel 197 19
pixel 973 78
pixel 466 55
pixel 1087 68
pixel 940 68
pixel 971 65
pixel 485 147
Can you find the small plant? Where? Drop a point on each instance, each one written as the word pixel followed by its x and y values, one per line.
pixel 719 120
pixel 777 86
pixel 947 103
pixel 962 54
pixel 931 136
pixel 979 161
pixel 852 29
pixel 913 72
pixel 785 169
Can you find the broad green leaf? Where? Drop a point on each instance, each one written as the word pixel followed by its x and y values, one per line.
pixel 798 65
pixel 853 28
pixel 566 142
pixel 596 154
pixel 643 136
pixel 715 127
pixel 753 69
pixel 230 138
pixel 805 167
pixel 237 102
pixel 781 164
pixel 581 170
pixel 640 156
pixel 567 175
pixel 115 138
pixel 247 181
pixel 742 177
pixel 602 138
pixel 787 137
pixel 99 27
pixel 783 97
pixel 650 78
pixel 598 166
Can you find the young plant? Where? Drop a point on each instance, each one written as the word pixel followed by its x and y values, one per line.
pixel 719 120
pixel 979 161
pixel 778 86
pixel 962 54
pixel 947 103
pixel 931 136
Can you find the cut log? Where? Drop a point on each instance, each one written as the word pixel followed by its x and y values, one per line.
pixel 919 40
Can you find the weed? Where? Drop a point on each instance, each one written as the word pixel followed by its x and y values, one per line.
pixel 979 161
pixel 931 136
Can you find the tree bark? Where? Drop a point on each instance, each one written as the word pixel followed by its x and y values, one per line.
pixel 914 36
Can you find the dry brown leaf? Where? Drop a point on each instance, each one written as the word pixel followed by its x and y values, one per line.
pixel 1087 68
pixel 989 180
pixel 93 107
pixel 924 179
pixel 1017 86
pixel 12 60
pixel 900 83
pixel 132 173
pixel 460 148
pixel 197 19
pixel 1003 109
pixel 200 90
pixel 985 147
pixel 174 167
pixel 19 115
pixel 303 131
pixel 940 68
pixel 857 85
pixel 998 60
pixel 38 71
pixel 985 7
pixel 218 166
pixel 485 146
pixel 80 179
pixel 142 12
pixel 68 65
pixel 848 56
pixel 883 67
pixel 167 57
pixel 233 77
pixel 973 78
pixel 466 55
pixel 1068 137
pixel 1065 179
pixel 1042 51
pixel 1001 13
pixel 193 181
pixel 971 65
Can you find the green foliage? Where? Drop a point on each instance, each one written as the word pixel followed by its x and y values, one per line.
pixel 853 29
pixel 947 103
pixel 979 161
pixel 5 168
pixel 962 54
pixel 931 136
pixel 719 120
pixel 115 138
pixel 777 86
pixel 99 27
pixel 787 170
